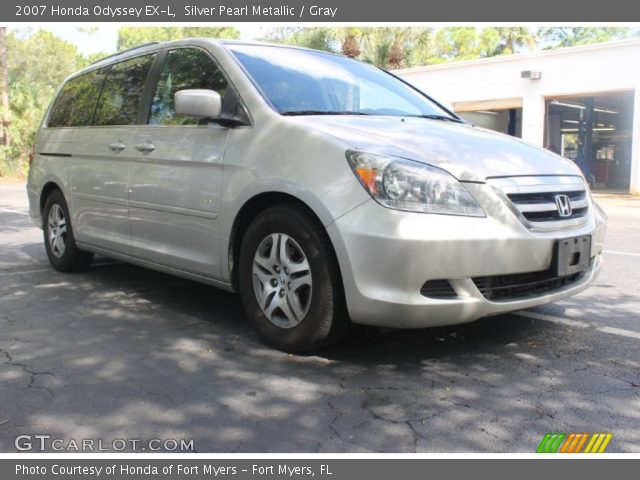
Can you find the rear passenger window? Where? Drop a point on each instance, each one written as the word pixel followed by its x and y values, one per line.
pixel 185 68
pixel 122 92
pixel 76 103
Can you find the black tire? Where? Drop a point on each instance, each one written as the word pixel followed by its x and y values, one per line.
pixel 325 321
pixel 64 257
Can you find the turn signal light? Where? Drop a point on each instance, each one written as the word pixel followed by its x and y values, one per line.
pixel 368 177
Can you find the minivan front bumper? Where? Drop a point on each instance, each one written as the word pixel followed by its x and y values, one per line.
pixel 386 256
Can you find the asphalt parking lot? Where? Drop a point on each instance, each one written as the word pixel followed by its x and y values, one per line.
pixel 120 352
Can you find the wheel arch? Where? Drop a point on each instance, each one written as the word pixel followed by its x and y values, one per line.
pixel 249 211
pixel 47 188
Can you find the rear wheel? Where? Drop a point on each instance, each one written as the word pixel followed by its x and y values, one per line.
pixel 289 281
pixel 59 241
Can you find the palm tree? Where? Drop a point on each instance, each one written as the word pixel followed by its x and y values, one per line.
pixel 386 47
pixel 349 38
pixel 397 54
pixel 515 37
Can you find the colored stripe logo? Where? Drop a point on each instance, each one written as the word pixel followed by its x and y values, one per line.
pixel 574 443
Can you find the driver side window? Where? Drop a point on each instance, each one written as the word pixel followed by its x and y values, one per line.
pixel 184 68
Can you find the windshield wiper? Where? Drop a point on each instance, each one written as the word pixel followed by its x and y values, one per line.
pixel 292 113
pixel 321 112
pixel 445 118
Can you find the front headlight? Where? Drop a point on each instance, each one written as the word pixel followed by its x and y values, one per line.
pixel 412 186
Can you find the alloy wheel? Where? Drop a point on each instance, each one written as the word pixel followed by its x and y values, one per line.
pixel 282 280
pixel 57 224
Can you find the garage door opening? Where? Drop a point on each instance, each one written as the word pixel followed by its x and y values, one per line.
pixel 595 131
pixel 507 120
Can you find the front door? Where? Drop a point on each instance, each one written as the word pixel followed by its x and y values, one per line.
pixel 176 172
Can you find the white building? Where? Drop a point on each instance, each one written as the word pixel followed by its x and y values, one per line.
pixel 582 102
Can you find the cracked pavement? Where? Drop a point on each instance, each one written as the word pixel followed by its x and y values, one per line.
pixel 123 352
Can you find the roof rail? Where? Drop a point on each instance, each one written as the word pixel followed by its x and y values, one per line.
pixel 125 51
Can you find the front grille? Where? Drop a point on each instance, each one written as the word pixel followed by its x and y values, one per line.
pixel 535 200
pixel 438 289
pixel 522 285
pixel 542 207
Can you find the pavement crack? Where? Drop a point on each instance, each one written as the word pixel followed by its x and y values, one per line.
pixel 483 382
pixel 336 433
pixel 33 374
pixel 628 382
pixel 486 432
pixel 590 368
pixel 337 413
pixel 416 435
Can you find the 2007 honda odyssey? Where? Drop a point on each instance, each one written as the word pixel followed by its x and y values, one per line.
pixel 324 190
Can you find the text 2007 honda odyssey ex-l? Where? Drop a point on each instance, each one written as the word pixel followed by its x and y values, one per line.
pixel 324 190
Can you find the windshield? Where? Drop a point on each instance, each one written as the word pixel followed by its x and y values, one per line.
pixel 304 82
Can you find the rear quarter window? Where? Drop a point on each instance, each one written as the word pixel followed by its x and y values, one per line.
pixel 76 102
pixel 122 92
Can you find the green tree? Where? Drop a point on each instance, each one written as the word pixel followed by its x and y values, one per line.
pixel 41 57
pixel 458 43
pixel 489 43
pixel 349 38
pixel 5 114
pixel 318 38
pixel 422 49
pixel 387 47
pixel 37 62
pixel 396 47
pixel 377 43
pixel 129 37
pixel 556 37
pixel 512 39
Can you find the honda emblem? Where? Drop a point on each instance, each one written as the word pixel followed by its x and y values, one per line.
pixel 564 205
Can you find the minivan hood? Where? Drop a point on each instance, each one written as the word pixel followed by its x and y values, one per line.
pixel 469 153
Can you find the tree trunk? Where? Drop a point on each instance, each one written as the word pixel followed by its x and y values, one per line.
pixel 510 44
pixel 396 54
pixel 350 47
pixel 4 88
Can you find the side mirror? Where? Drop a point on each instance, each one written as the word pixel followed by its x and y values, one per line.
pixel 198 103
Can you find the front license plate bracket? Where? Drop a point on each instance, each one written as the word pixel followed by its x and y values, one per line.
pixel 572 255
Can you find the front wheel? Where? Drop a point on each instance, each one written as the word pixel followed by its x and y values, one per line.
pixel 59 242
pixel 290 282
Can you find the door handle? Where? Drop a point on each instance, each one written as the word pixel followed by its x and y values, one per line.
pixel 145 147
pixel 117 147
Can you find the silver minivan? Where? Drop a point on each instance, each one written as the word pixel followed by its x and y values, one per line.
pixel 322 189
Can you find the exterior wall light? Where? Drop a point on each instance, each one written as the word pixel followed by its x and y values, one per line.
pixel 531 74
